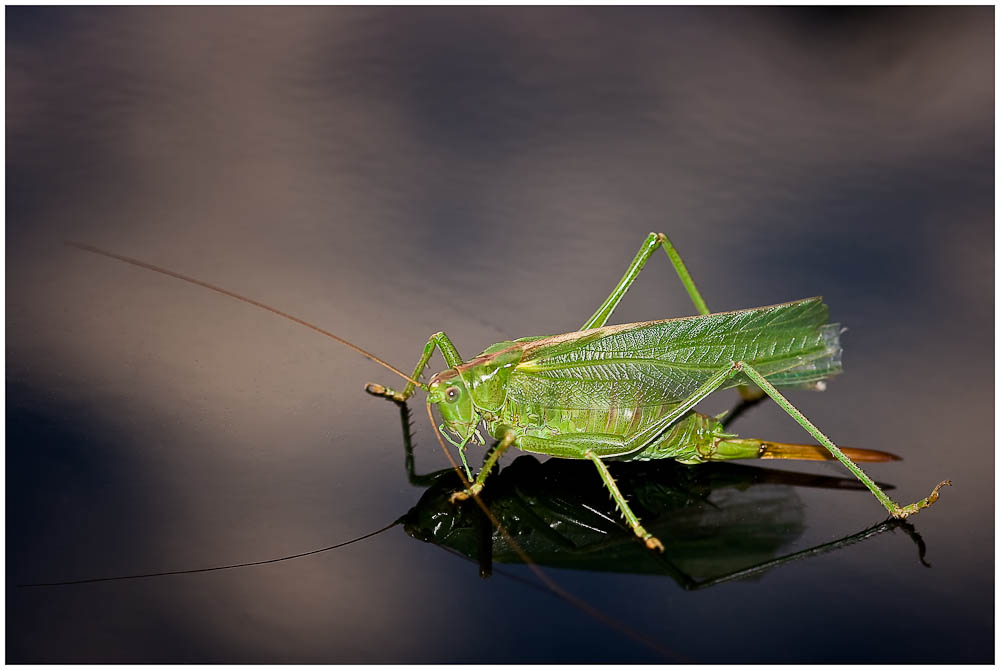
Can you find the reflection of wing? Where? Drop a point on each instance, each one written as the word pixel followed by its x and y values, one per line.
pixel 662 362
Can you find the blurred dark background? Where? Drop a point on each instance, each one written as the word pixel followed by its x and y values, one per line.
pixel 388 173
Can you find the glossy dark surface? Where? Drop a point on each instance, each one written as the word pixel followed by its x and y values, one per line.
pixel 391 173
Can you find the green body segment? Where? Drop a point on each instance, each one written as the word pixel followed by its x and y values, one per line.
pixel 619 380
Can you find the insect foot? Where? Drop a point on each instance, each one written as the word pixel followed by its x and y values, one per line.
pixel 465 495
pixel 909 510
pixel 647 537
pixel 385 392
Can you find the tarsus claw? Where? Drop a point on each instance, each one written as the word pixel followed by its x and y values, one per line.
pixel 932 498
pixel 385 392
pixel 465 494
pixel 909 510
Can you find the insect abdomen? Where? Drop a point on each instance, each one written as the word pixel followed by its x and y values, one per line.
pixel 690 440
pixel 543 421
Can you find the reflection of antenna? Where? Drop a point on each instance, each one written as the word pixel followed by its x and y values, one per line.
pixel 878 529
pixel 215 568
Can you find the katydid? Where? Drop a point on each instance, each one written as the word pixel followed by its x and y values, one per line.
pixel 626 392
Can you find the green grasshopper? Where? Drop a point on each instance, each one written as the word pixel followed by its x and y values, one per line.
pixel 626 392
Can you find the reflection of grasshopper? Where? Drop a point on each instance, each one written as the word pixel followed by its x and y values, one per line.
pixel 556 519
pixel 719 524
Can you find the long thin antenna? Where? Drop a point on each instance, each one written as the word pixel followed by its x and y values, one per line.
pixel 250 301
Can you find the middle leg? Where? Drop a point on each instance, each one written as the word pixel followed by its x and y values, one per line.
pixel 630 517
pixel 592 446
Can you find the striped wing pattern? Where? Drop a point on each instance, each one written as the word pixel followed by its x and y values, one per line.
pixel 662 362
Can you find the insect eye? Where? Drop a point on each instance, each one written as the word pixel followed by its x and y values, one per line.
pixel 451 394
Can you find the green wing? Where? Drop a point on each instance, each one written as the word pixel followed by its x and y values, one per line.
pixel 662 362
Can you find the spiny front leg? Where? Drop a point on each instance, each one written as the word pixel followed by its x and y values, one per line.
pixel 630 517
pixel 451 356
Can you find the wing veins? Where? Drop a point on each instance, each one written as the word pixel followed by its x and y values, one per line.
pixel 535 369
